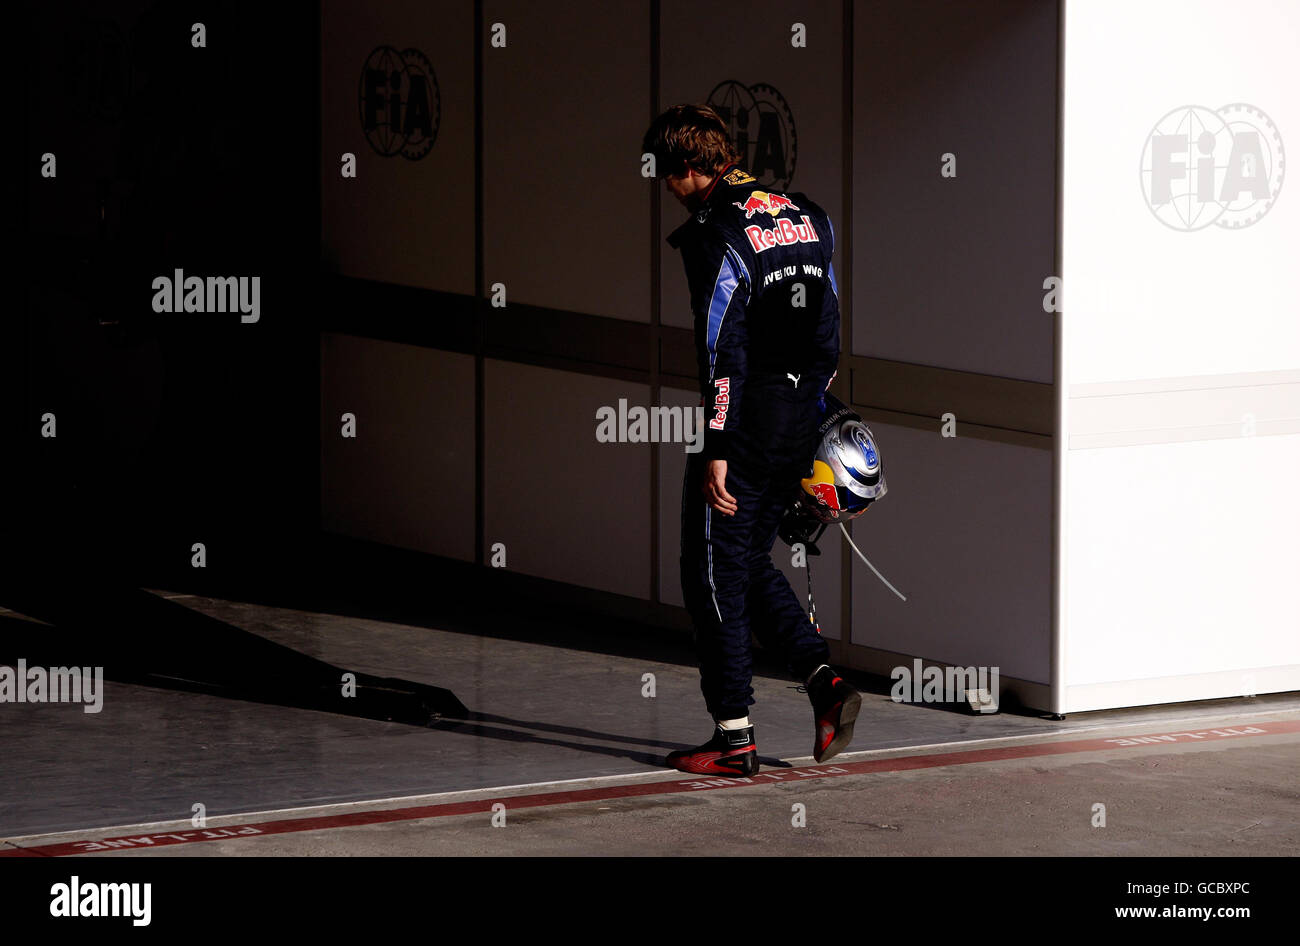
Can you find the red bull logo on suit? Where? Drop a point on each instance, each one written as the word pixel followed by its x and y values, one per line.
pixel 783 234
pixel 764 202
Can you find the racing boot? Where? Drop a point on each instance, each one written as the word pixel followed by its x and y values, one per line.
pixel 729 752
pixel 835 708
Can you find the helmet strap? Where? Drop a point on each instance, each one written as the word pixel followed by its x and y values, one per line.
pixel 812 605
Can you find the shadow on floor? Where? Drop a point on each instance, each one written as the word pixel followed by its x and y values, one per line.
pixel 96 617
pixel 138 637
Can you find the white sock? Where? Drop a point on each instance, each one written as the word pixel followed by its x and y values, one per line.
pixel 734 723
pixel 814 673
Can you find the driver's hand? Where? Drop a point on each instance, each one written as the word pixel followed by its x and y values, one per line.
pixel 715 488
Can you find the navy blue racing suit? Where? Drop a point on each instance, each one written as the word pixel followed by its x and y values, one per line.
pixel 767 339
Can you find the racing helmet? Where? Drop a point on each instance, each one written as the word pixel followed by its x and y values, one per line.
pixel 847 475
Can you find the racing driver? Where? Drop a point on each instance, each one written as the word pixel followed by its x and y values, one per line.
pixel 767 340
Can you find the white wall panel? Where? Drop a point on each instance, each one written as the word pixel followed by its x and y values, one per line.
pixel 1183 559
pixel 1146 299
pixel 1181 354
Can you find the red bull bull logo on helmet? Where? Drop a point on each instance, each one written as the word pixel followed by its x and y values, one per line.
pixel 821 486
pixel 826 493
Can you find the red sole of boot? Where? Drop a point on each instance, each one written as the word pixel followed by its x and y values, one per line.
pixel 708 765
pixel 843 728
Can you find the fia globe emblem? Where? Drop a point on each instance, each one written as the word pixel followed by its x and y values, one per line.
pixel 762 129
pixel 399 102
pixel 1203 166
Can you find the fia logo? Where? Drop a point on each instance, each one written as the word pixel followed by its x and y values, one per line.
pixel 1202 166
pixel 399 102
pixel 762 129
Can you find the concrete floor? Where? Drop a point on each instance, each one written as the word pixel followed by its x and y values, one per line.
pixel 546 713
pixel 1192 800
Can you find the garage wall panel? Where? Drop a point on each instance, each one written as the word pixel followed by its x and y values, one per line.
pixel 965 533
pixel 565 506
pixel 408 215
pixel 949 272
pixel 407 478
pixel 566 211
